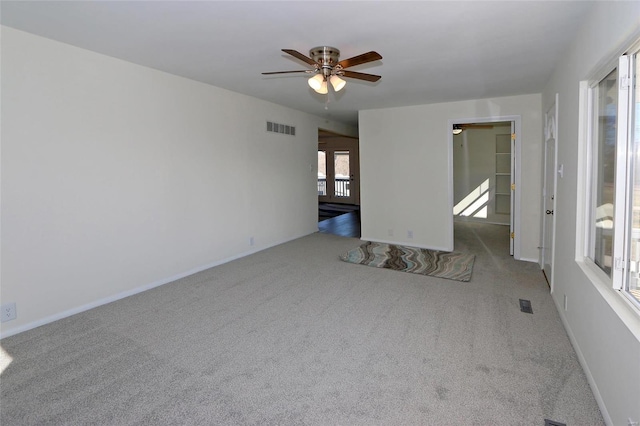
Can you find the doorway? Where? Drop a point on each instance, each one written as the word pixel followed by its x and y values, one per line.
pixel 484 172
pixel 338 184
pixel 338 169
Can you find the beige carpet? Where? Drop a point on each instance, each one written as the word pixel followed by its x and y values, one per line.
pixel 292 335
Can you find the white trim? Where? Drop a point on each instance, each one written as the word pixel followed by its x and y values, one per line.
pixel 131 292
pixel 625 137
pixel 554 204
pixel 621 227
pixel 450 180
pixel 628 65
pixel 517 120
pixel 518 192
pixel 584 165
pixel 555 198
pixel 407 244
pixel 471 219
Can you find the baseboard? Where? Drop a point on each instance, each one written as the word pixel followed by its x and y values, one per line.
pixel 469 220
pixel 408 244
pixel 584 365
pixel 140 289
pixel 526 259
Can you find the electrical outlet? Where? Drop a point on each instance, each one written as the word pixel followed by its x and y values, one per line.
pixel 8 312
pixel 409 234
pixel 390 232
pixel 251 241
pixel 566 302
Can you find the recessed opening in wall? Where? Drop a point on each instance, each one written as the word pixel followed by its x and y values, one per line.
pixel 483 174
pixel 338 184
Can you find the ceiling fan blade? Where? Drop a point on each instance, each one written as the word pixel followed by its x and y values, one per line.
pixel 361 75
pixel 300 56
pixel 284 72
pixel 360 59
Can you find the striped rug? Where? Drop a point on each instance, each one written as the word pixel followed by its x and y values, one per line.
pixel 450 265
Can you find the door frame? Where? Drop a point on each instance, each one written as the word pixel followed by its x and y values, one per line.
pixel 331 142
pixel 550 132
pixel 516 194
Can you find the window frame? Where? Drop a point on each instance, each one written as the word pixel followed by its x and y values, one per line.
pixel 618 282
pixel 625 133
pixel 594 150
pixel 589 134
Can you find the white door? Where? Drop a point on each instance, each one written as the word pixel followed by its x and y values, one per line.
pixel 337 175
pixel 549 191
pixel 343 176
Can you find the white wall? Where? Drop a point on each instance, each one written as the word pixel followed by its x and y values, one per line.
pixel 117 177
pixel 474 162
pixel 404 167
pixel 604 331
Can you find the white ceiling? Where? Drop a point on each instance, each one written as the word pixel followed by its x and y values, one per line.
pixel 434 51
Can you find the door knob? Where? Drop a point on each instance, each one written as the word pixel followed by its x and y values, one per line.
pixel 549 211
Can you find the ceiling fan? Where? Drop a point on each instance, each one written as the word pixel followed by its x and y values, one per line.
pixel 328 68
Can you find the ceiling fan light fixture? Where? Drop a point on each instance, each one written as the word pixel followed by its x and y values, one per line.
pixel 323 90
pixel 337 83
pixel 316 82
pixel 457 129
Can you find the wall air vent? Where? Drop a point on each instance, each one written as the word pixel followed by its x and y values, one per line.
pixel 285 129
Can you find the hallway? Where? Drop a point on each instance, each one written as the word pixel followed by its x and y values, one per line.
pixel 342 220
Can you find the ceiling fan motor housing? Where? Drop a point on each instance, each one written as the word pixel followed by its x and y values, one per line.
pixel 327 57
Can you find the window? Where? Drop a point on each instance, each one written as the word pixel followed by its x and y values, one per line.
pixel 613 242
pixel 605 100
pixel 632 284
